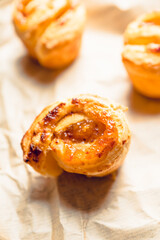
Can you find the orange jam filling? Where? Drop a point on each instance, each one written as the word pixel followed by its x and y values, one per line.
pixel 153 48
pixel 152 21
pixel 83 131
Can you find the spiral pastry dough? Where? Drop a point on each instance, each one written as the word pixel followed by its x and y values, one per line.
pixel 141 54
pixel 87 135
pixel 50 29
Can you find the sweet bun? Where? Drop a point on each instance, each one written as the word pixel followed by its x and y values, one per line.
pixel 86 135
pixel 50 29
pixel 141 54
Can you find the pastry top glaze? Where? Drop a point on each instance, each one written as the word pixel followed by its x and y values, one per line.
pixel 144 30
pixel 87 135
pixel 142 41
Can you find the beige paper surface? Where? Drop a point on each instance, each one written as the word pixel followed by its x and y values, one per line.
pixel 74 207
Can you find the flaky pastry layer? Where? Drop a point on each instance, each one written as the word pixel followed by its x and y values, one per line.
pixel 141 54
pixel 50 29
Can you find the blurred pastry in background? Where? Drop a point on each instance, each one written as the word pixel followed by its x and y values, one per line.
pixel 50 29
pixel 86 135
pixel 141 54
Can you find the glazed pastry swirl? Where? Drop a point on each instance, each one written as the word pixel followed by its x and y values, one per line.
pixel 141 54
pixel 86 135
pixel 50 29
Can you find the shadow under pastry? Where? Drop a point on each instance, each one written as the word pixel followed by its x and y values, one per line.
pixel 84 193
pixel 32 69
pixel 141 104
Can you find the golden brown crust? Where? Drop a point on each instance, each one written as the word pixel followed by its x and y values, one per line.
pixel 86 135
pixel 50 29
pixel 141 54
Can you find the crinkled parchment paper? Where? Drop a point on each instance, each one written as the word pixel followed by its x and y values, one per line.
pixel 74 207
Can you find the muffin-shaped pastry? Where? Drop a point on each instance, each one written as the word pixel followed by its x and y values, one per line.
pixel 87 135
pixel 50 29
pixel 141 54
